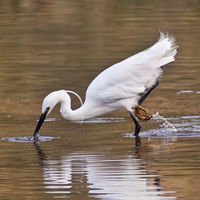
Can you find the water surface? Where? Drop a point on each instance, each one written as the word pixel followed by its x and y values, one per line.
pixel 50 45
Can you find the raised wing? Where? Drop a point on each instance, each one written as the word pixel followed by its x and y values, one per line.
pixel 133 75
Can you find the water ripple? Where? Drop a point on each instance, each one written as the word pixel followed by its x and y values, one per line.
pixel 28 139
pixel 102 120
pixel 183 126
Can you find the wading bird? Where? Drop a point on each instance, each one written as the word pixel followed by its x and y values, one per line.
pixel 118 87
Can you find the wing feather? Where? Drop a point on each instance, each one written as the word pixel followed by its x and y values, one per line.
pixel 133 75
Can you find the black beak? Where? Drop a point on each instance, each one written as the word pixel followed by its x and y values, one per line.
pixel 42 118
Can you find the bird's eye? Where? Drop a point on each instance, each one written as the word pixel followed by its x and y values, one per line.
pixel 48 108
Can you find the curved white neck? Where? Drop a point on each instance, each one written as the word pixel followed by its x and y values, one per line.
pixel 70 114
pixel 65 108
pixel 88 110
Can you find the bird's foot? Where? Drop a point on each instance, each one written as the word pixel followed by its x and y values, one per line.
pixel 142 113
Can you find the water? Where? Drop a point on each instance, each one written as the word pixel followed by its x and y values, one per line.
pixel 50 45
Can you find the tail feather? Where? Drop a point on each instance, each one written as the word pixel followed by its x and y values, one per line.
pixel 163 51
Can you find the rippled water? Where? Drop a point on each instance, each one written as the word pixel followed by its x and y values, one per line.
pixel 50 45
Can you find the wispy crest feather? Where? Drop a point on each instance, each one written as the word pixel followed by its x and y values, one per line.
pixel 72 92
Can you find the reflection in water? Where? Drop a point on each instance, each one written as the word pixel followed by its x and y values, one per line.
pixel 99 176
pixel 48 45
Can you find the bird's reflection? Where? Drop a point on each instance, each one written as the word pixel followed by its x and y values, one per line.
pixel 97 175
pixel 137 141
pixel 41 155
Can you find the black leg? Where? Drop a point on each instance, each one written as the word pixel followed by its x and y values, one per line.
pixel 137 130
pixel 137 125
pixel 147 93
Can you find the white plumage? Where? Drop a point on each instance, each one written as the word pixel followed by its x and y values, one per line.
pixel 119 86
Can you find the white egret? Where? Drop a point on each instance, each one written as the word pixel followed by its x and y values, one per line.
pixel 118 87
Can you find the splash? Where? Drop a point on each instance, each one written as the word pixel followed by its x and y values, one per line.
pixel 166 124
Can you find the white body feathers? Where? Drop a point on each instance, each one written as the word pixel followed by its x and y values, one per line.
pixel 120 85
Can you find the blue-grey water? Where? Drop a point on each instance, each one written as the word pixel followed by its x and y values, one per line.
pixel 50 45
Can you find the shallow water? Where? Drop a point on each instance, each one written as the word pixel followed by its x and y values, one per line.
pixel 51 45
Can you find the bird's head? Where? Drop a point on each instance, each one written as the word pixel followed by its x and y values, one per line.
pixel 48 104
pixel 50 101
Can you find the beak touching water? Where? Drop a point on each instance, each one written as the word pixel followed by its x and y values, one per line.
pixel 40 122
